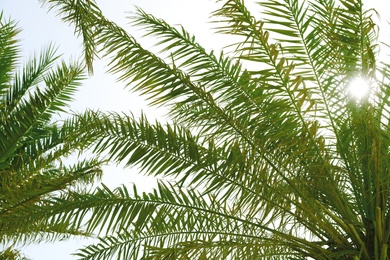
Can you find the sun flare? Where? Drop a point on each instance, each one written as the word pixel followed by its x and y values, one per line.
pixel 358 88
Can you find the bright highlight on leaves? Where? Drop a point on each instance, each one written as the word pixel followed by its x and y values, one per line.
pixel 358 88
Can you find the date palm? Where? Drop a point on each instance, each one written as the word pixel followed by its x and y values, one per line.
pixel 34 146
pixel 266 155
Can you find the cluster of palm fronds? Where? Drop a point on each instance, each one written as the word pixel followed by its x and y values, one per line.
pixel 33 147
pixel 271 157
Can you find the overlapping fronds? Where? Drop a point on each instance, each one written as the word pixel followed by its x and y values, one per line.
pixel 12 254
pixel 33 147
pixel 270 155
pixel 210 228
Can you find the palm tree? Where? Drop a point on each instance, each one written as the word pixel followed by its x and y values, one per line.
pixel 266 155
pixel 34 147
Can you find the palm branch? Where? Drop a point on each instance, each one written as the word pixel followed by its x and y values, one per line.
pixel 268 155
pixel 34 145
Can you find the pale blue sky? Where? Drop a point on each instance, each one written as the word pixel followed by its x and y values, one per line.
pixel 101 90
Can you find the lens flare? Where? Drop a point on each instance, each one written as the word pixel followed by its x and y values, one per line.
pixel 358 88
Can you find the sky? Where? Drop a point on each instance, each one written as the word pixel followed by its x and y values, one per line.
pixel 101 91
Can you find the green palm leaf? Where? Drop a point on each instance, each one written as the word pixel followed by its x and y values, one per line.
pixel 192 217
pixel 34 147
pixel 8 51
pixel 269 155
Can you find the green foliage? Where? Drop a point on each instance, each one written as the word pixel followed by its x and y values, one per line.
pixel 33 147
pixel 269 155
pixel 11 254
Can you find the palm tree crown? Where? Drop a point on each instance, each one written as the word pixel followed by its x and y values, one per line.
pixel 270 155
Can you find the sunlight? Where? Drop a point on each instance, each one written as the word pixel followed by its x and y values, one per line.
pixel 358 88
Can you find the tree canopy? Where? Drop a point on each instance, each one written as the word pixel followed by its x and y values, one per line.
pixel 266 154
pixel 270 156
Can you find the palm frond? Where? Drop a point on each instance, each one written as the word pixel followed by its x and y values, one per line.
pixel 76 13
pixel 30 76
pixel 8 54
pixel 23 214
pixel 265 142
pixel 168 216
pixel 12 254
pixel 33 148
pixel 38 107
